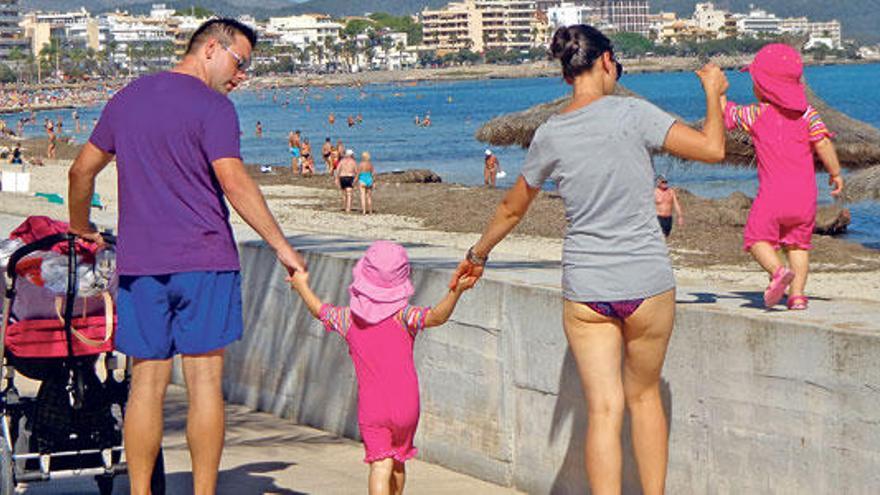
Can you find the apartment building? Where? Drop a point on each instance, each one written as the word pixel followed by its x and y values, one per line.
pixel 72 29
pixel 827 33
pixel 758 22
pixel 632 16
pixel 508 24
pixel 457 26
pixel 713 21
pixel 11 35
pixel 481 25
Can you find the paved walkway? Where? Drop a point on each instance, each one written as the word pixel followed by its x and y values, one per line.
pixel 265 454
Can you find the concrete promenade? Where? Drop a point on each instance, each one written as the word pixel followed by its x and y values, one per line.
pixel 266 454
pixel 758 401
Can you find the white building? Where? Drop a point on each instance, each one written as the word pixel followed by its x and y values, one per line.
pixel 568 14
pixel 302 30
pixel 758 22
pixel 160 11
pixel 711 20
pixel 826 33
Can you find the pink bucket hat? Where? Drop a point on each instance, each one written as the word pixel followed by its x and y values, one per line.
pixel 381 285
pixel 777 71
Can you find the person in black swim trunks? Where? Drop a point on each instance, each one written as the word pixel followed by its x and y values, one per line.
pixel 666 200
pixel 346 174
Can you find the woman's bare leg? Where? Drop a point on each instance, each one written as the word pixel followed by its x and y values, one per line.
pixel 370 200
pixel 398 478
pixel 646 336
pixel 380 477
pixel 596 343
pixel 363 199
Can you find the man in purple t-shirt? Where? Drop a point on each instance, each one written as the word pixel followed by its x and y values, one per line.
pixel 175 136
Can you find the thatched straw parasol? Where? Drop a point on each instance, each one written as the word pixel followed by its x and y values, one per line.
pixel 519 128
pixel 857 143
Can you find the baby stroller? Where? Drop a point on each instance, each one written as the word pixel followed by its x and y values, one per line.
pixel 73 427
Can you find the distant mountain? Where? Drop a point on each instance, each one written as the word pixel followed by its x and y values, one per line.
pixel 860 19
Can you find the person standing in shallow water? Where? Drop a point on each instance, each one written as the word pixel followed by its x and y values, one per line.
pixel 617 282
pixel 665 200
pixel 490 169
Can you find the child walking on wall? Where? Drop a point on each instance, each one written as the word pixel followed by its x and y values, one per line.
pixel 786 132
pixel 380 327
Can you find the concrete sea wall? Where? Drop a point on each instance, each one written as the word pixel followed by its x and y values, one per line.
pixel 757 402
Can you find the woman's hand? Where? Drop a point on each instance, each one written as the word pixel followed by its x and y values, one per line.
pixel 467 270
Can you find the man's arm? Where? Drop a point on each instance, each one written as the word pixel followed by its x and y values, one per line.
pixel 81 186
pixel 248 201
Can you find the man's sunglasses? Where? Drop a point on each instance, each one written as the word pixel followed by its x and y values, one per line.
pixel 241 63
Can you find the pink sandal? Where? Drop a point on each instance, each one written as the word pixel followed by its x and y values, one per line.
pixel 798 302
pixel 782 278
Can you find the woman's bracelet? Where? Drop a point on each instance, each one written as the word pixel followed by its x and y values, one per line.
pixel 474 259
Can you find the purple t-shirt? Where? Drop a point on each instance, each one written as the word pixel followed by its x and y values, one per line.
pixel 165 130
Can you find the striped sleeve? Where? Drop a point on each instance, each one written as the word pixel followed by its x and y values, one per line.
pixel 818 129
pixel 335 319
pixel 741 117
pixel 413 318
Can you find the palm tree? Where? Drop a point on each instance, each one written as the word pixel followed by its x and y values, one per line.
pixel 330 49
pixel 386 43
pixel 400 48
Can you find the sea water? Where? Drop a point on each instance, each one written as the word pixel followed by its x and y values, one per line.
pixel 457 109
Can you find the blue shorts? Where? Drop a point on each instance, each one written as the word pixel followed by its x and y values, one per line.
pixel 294 152
pixel 178 313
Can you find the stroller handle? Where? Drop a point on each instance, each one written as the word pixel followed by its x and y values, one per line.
pixel 45 244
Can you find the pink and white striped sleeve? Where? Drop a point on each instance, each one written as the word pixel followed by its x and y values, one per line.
pixel 335 319
pixel 413 318
pixel 742 117
pixel 818 129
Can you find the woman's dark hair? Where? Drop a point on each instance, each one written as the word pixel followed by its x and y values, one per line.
pixel 578 47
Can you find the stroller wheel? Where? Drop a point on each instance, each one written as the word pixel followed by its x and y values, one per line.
pixel 105 484
pixel 7 479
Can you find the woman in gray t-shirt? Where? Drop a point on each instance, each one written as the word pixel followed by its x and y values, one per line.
pixel 617 281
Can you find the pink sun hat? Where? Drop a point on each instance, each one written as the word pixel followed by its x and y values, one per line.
pixel 380 285
pixel 777 71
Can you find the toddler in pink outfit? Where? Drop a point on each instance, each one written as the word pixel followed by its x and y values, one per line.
pixel 380 327
pixel 786 132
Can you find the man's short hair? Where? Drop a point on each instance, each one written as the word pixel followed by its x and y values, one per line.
pixel 224 30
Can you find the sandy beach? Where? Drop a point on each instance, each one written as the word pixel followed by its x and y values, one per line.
pixel 706 249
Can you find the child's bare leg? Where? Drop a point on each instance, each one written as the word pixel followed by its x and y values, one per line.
pixel 380 477
pixel 799 260
pixel 398 478
pixel 766 256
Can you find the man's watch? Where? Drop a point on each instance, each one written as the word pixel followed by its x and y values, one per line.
pixel 473 259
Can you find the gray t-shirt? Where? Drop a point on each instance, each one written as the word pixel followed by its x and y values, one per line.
pixel 599 157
